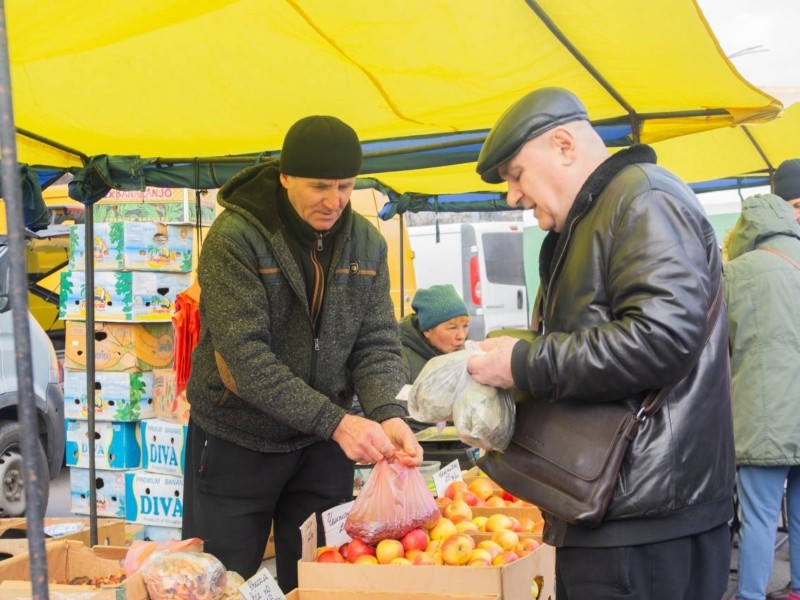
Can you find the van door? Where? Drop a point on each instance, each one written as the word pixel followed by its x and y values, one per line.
pixel 494 276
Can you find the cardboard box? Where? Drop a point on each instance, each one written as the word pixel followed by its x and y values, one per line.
pixel 118 396
pixel 507 582
pixel 168 404
pixel 66 560
pixel 122 295
pixel 121 346
pixel 167 205
pixel 109 492
pixel 133 532
pixel 153 499
pixel 153 533
pixel 116 444
pixel 110 532
pixel 301 594
pixel 163 446
pixel 132 246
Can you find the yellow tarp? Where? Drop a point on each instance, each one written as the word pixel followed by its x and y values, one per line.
pixel 189 78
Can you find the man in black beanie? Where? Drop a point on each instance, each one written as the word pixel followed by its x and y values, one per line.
pixel 786 184
pixel 295 320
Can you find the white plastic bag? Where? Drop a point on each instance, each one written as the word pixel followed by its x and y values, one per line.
pixel 484 416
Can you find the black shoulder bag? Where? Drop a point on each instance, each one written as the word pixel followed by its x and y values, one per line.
pixel 565 457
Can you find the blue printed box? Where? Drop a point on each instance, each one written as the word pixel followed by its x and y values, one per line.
pixel 130 246
pixel 152 533
pixel 109 492
pixel 163 446
pixel 154 499
pixel 117 396
pixel 116 444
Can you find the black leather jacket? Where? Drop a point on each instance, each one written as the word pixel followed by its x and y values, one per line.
pixel 626 288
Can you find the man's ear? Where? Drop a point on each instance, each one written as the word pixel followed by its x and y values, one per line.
pixel 564 144
pixel 284 179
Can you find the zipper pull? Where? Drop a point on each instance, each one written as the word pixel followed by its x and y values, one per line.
pixel 316 344
pixel 319 242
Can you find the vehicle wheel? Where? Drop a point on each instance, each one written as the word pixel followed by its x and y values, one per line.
pixel 12 493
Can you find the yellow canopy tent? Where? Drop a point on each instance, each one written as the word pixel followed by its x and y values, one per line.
pixel 178 79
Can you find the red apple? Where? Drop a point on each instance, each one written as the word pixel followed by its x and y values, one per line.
pixel 457 510
pixel 457 548
pixel 505 558
pixel 525 546
pixel 330 556
pixel 416 539
pixel 453 487
pixel 357 547
pixel 423 558
pixel 366 559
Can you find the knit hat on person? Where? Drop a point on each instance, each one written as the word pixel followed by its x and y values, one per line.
pixel 437 304
pixel 529 117
pixel 321 147
pixel 787 179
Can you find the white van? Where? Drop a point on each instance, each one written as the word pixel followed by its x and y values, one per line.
pixel 484 262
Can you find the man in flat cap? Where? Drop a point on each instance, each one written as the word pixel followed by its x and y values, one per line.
pixel 295 320
pixel 629 271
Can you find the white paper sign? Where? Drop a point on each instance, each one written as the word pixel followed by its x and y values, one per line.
pixel 261 586
pixel 333 521
pixel 443 478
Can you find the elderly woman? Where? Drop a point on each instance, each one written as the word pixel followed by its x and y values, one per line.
pixel 439 325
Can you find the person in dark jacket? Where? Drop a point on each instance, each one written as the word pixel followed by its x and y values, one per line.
pixel 629 270
pixel 296 319
pixel 787 184
pixel 439 325
pixel 762 284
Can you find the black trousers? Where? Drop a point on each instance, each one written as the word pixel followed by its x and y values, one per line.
pixel 232 494
pixel 688 568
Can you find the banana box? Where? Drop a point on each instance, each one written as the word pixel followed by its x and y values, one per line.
pixel 132 246
pixel 153 533
pixel 121 346
pixel 109 492
pixel 116 444
pixel 154 499
pixel 122 295
pixel 169 405
pixel 118 396
pixel 164 205
pixel 163 446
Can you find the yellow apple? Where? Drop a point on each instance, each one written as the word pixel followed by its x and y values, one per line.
pixel 491 547
pixel 467 527
pixel 457 510
pixel 482 488
pixel 457 548
pixel 400 560
pixel 498 521
pixel 504 558
pixel 387 550
pixel 443 529
pixel 505 538
pixel 366 559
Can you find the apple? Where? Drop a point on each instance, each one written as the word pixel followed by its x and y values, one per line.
pixel 442 501
pixel 400 560
pixel 468 497
pixel 457 548
pixel 479 562
pixel 508 497
pixel 434 546
pixel 343 550
pixel 387 550
pixel 495 502
pixel 443 529
pixel 322 549
pixel 467 527
pixel 525 546
pixel 534 590
pixel 366 559
pixel 457 510
pixel 515 524
pixel 497 521
pixel 482 487
pixel 416 539
pixel 504 558
pixel 491 547
pixel 423 558
pixel 480 521
pixel 505 538
pixel 330 556
pixel 526 524
pixel 453 487
pixel 357 547
pixel 481 553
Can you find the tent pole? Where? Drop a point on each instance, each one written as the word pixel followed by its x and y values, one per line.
pixel 89 300
pixel 402 269
pixel 18 292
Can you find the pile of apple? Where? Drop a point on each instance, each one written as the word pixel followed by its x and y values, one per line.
pixel 450 540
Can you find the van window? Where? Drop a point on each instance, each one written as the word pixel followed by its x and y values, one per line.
pixel 498 248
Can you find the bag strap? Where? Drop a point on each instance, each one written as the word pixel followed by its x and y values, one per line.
pixel 789 259
pixel 655 399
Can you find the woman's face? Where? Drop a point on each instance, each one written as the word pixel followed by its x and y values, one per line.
pixel 448 336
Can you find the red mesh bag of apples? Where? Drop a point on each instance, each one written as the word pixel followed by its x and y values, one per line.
pixel 394 500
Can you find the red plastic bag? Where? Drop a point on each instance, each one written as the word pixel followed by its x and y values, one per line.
pixel 394 500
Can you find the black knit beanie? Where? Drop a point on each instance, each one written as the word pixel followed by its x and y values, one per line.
pixel 321 147
pixel 787 179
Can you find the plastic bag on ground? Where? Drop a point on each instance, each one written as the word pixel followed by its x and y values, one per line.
pixel 394 500
pixel 184 576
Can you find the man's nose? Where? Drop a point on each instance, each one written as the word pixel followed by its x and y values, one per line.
pixel 514 195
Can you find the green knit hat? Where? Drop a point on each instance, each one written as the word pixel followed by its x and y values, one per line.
pixel 321 147
pixel 437 304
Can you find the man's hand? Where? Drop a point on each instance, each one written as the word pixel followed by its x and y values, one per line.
pixel 362 440
pixel 494 366
pixel 407 448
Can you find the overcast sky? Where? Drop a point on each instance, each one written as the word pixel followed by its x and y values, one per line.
pixel 770 27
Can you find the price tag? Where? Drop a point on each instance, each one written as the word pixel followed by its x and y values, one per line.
pixel 443 478
pixel 261 586
pixel 333 522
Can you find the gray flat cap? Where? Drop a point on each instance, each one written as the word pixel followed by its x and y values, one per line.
pixel 526 119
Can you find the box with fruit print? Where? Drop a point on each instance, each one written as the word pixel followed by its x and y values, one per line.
pixel 486 569
pixel 118 396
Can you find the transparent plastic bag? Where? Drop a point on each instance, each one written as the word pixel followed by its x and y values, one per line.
pixel 484 416
pixel 184 576
pixel 394 500
pixel 433 393
pixel 140 551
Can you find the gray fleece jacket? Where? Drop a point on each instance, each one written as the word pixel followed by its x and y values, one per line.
pixel 260 377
